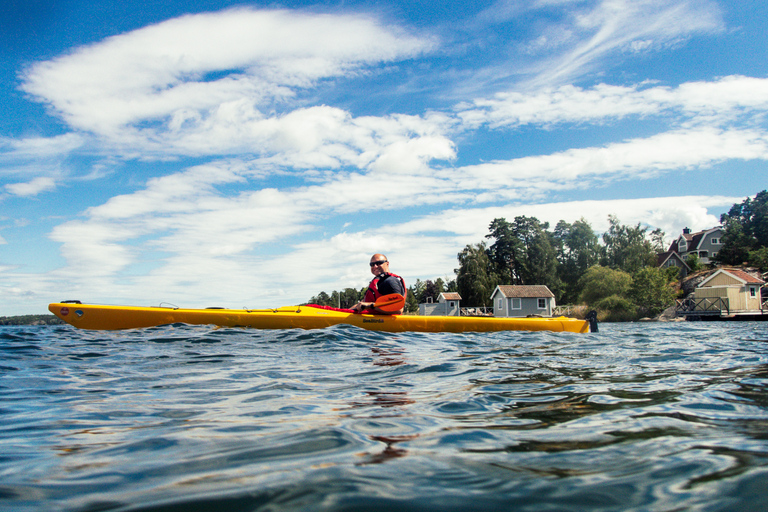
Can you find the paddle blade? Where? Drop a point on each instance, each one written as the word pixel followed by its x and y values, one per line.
pixel 391 303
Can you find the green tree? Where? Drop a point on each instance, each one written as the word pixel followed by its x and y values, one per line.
pixel 475 279
pixel 506 252
pixel 626 247
pixel 759 258
pixel 524 252
pixel 411 302
pixel 746 229
pixel 577 249
pixel 350 297
pixel 651 291
pixel 322 299
pixel 417 291
pixel 601 282
pixel 694 262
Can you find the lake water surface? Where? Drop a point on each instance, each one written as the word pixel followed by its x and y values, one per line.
pixel 637 417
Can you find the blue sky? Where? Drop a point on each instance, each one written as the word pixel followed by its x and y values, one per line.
pixel 254 154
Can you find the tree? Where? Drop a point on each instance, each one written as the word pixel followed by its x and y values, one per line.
pixel 746 229
pixel 417 291
pixel 475 280
pixel 322 299
pixel 651 291
pixel 350 297
pixel 657 240
pixel 506 252
pixel 577 249
pixel 524 252
pixel 626 248
pixel 759 259
pixel 602 282
pixel 694 262
pixel 411 303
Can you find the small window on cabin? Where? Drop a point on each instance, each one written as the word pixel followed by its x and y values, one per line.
pixel 452 304
pixel 542 303
pixel 501 303
pixel 516 303
pixel 682 246
pixel 752 291
pixel 715 241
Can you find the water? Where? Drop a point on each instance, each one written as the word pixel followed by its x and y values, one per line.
pixel 663 417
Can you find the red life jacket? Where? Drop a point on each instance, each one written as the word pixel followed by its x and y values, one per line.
pixel 372 293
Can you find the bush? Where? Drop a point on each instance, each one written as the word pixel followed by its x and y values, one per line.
pixel 615 309
pixel 652 291
pixel 601 282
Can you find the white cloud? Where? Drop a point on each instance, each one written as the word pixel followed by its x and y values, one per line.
pixel 38 147
pixel 534 177
pixel 715 102
pixel 191 68
pixel 31 188
pixel 573 39
pixel 608 26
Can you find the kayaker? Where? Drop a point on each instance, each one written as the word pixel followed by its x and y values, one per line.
pixel 383 283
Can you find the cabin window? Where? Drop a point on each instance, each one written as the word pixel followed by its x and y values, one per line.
pixel 682 246
pixel 542 303
pixel 715 241
pixel 752 291
pixel 516 303
pixel 501 303
pixel 452 304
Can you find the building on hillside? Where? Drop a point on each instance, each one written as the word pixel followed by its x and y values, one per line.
pixel 673 259
pixel 448 304
pixel 742 290
pixel 522 300
pixel 705 244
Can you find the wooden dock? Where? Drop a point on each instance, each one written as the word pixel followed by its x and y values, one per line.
pixel 716 308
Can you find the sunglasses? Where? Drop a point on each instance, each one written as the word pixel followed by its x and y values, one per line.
pixel 374 263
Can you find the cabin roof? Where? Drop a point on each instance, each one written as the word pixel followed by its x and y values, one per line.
pixel 524 291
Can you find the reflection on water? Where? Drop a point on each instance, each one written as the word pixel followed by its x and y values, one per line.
pixel 636 417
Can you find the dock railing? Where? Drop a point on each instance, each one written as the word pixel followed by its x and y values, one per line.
pixel 704 306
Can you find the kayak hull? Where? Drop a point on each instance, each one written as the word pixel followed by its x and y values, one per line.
pixel 103 317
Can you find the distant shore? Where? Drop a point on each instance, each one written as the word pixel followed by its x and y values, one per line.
pixel 31 320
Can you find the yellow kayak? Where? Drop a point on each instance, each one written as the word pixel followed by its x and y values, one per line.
pixel 101 317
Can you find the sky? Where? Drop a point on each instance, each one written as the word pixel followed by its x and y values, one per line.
pixel 252 154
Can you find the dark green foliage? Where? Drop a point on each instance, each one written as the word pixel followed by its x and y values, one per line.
pixel 577 249
pixel 746 231
pixel 524 252
pixel 759 259
pixel 476 277
pixel 344 299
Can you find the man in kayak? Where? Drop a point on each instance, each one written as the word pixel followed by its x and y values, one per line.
pixel 383 283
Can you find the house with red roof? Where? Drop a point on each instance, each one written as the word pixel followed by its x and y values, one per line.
pixel 741 289
pixel 448 304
